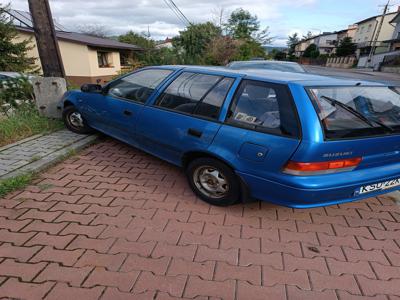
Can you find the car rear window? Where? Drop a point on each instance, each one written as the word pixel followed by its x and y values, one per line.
pixel 357 111
pixel 265 107
pixel 198 94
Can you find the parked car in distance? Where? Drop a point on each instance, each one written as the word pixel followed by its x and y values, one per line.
pixel 293 139
pixel 284 66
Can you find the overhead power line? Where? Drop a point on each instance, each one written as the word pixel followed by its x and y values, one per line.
pixel 175 12
pixel 180 12
pixel 175 9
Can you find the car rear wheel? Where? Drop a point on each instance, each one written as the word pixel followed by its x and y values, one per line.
pixel 213 181
pixel 74 121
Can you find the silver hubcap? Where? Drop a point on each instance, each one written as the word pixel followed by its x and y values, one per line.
pixel 76 119
pixel 211 182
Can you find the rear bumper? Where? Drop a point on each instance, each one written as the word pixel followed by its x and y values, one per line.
pixel 308 192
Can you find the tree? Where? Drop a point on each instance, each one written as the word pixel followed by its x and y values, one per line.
pixel 242 25
pixel 250 49
pixel 280 55
pixel 292 41
pixel 221 50
pixel 95 30
pixel 311 51
pixel 346 47
pixel 151 55
pixel 309 35
pixel 137 39
pixel 13 52
pixel 194 39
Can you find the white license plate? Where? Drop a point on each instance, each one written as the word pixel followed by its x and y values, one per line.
pixel 379 186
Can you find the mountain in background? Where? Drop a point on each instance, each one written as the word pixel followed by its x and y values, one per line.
pixel 269 49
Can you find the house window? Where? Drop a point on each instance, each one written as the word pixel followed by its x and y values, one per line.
pixel 369 27
pixel 103 59
pixel 125 59
pixel 398 35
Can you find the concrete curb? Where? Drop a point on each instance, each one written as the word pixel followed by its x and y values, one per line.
pixel 52 158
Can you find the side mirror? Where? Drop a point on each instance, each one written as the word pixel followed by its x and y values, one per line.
pixel 91 88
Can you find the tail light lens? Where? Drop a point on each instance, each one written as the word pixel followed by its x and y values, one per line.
pixel 317 168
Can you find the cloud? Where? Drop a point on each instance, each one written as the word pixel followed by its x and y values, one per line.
pixel 120 16
pixel 282 16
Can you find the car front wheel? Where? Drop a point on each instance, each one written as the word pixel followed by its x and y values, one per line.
pixel 74 121
pixel 213 181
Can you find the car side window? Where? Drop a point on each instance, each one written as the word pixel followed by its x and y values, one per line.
pixel 138 86
pixel 210 106
pixel 264 107
pixel 186 91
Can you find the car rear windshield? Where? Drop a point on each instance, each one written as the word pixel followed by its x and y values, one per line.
pixel 357 111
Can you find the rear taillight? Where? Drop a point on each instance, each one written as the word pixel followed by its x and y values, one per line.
pixel 326 167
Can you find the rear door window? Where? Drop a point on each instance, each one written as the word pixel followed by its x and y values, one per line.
pixel 357 111
pixel 197 94
pixel 264 107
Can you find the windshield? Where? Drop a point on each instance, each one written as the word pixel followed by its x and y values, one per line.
pixel 357 111
pixel 277 66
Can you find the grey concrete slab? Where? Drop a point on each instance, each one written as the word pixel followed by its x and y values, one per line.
pixel 38 152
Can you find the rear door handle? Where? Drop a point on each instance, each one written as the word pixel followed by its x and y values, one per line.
pixel 195 133
pixel 127 113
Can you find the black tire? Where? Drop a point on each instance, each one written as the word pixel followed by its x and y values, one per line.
pixel 66 115
pixel 205 165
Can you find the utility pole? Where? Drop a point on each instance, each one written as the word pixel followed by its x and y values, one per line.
pixel 378 31
pixel 46 38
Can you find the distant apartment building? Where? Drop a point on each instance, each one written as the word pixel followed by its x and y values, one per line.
pixel 349 32
pixel 394 42
pixel 326 42
pixel 367 32
pixel 302 46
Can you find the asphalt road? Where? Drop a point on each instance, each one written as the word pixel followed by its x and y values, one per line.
pixel 362 74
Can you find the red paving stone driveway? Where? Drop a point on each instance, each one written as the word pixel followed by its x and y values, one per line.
pixel 115 223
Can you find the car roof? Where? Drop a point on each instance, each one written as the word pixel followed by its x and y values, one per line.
pixel 304 79
pixel 280 62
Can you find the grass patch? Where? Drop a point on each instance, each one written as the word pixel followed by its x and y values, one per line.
pixel 15 183
pixel 25 123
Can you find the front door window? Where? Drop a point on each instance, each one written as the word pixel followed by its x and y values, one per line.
pixel 138 86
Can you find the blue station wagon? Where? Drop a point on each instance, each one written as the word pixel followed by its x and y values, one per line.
pixel 297 140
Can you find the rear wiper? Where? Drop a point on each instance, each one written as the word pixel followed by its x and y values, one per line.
pixel 356 113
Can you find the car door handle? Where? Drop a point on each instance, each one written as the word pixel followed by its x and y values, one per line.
pixel 127 113
pixel 195 132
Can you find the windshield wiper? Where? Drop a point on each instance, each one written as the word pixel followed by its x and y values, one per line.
pixel 356 113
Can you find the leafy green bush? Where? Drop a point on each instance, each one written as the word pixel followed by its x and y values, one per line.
pixel 311 51
pixel 15 93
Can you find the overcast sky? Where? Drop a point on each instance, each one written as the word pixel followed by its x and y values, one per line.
pixel 284 17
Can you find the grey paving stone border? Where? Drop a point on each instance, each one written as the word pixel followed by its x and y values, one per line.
pixel 49 159
pixel 20 142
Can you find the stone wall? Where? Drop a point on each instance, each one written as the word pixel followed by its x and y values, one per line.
pixel 341 62
pixel 391 69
